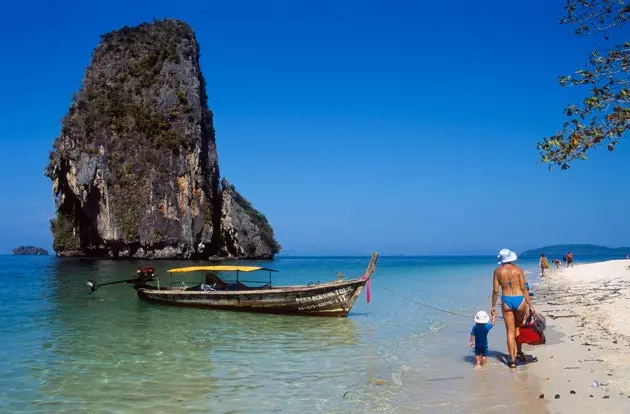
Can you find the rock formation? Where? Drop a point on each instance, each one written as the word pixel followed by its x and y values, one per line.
pixel 135 170
pixel 29 251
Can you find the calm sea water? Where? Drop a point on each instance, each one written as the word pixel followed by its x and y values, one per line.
pixel 64 349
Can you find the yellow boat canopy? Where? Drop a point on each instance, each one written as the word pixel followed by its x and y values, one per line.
pixel 218 269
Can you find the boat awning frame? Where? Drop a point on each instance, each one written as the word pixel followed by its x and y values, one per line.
pixel 219 268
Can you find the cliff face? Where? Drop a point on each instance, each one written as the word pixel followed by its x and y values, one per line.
pixel 135 170
pixel 245 231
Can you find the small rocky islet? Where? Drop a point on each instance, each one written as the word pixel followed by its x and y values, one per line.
pixel 29 251
pixel 135 169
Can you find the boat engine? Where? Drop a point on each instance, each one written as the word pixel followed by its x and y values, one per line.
pixel 145 274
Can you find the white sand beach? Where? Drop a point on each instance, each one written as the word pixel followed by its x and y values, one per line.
pixel 585 365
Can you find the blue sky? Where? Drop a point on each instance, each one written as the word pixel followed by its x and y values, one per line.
pixel 407 127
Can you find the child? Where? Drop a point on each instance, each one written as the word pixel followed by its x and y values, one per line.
pixel 479 337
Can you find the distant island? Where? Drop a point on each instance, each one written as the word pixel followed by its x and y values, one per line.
pixel 30 250
pixel 577 250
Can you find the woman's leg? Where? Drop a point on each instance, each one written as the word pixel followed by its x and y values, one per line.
pixel 510 330
pixel 519 318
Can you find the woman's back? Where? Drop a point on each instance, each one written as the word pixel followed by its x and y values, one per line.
pixel 510 278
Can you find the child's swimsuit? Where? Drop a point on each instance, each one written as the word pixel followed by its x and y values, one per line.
pixel 480 332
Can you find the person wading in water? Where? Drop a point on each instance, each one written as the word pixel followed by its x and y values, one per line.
pixel 514 299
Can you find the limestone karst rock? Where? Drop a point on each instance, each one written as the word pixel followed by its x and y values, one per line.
pixel 135 170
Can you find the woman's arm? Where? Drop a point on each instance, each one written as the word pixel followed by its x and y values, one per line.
pixel 495 293
pixel 528 298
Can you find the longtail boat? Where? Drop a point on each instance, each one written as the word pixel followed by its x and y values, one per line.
pixel 335 298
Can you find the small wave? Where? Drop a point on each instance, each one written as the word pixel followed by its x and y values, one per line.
pixel 436 327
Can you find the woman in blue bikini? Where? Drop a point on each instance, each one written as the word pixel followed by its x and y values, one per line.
pixel 514 299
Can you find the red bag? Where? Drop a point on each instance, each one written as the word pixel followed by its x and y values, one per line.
pixel 528 334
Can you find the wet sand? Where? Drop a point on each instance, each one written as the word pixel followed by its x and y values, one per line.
pixel 434 381
pixel 585 365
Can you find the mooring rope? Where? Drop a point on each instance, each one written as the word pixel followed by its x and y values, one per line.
pixel 430 306
pixel 426 305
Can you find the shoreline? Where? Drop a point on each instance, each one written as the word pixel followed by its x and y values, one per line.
pixel 585 365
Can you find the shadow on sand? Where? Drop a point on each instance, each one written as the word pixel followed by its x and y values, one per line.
pixel 502 358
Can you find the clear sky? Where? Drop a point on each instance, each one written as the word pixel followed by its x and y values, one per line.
pixel 407 127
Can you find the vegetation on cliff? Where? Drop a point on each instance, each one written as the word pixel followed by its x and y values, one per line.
pixel 64 237
pixel 258 220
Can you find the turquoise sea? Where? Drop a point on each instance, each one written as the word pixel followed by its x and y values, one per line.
pixel 66 350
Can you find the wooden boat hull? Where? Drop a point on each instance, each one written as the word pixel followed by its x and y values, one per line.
pixel 327 299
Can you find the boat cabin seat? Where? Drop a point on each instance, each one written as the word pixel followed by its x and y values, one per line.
pixel 213 280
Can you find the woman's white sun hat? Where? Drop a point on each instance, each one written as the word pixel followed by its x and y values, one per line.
pixel 506 256
pixel 482 317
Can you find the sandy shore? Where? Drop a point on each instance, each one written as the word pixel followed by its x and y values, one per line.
pixel 585 365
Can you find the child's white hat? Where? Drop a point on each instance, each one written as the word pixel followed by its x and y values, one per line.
pixel 482 317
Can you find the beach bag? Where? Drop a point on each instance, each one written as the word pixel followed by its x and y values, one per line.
pixel 529 335
pixel 531 331
pixel 539 321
